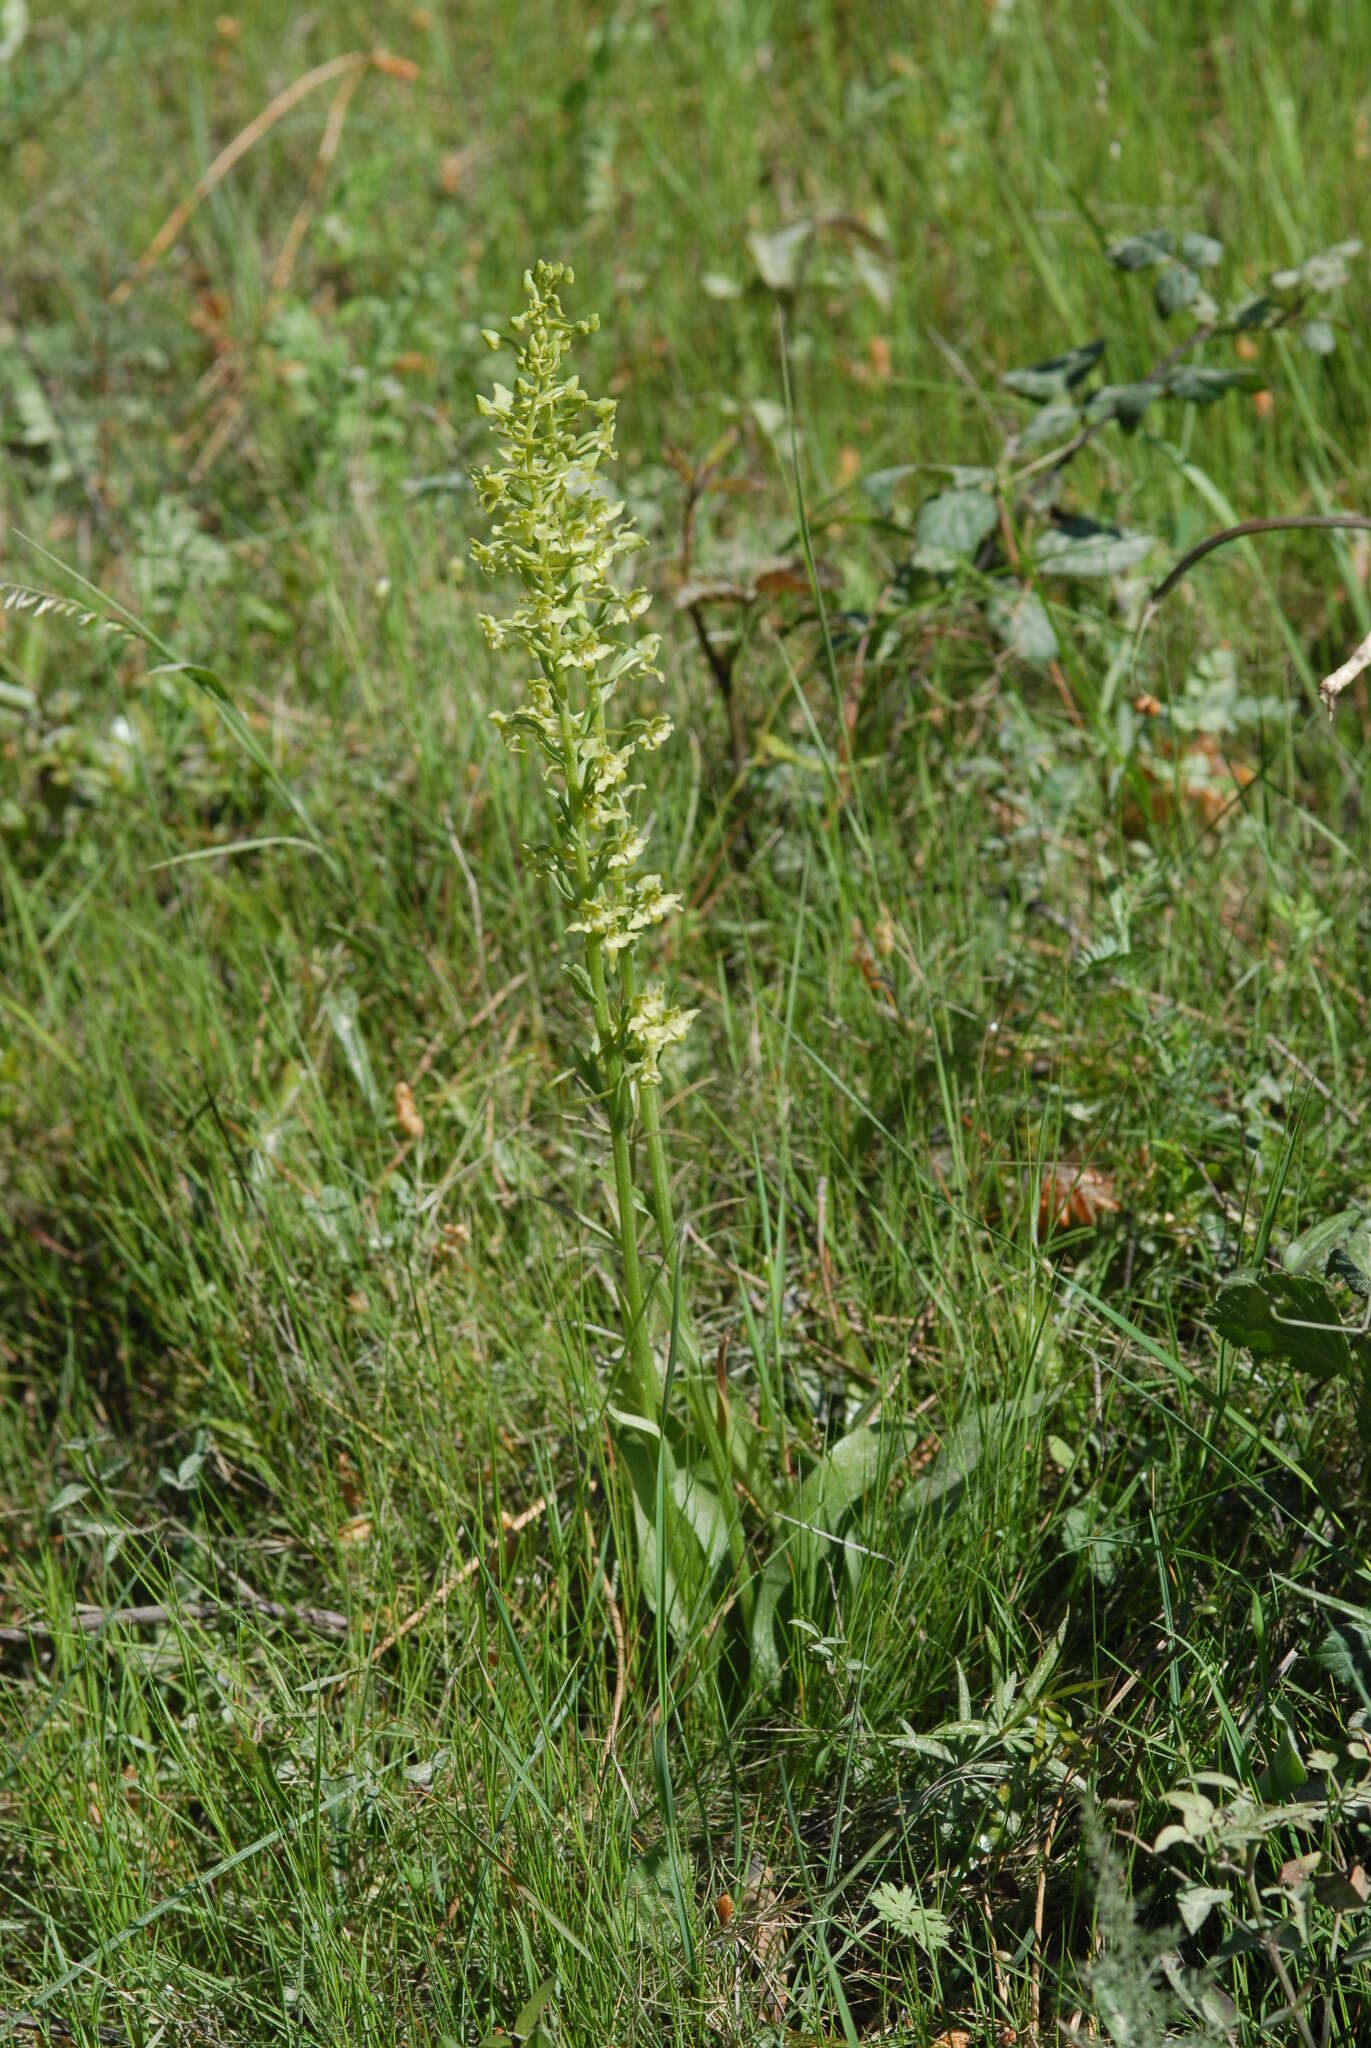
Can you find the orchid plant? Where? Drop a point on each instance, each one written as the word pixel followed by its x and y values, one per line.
pixel 558 534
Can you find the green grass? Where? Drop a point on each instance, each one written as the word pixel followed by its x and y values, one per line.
pixel 251 1331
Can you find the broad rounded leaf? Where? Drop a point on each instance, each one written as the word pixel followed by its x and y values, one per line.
pixel 1286 1316
pixel 1019 620
pixel 1056 422
pixel 1104 552
pixel 1195 1902
pixel 1201 252
pixel 1177 287
pixel 956 522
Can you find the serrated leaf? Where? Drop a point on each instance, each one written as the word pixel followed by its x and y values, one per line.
pixel 1198 385
pixel 1201 252
pixel 1142 252
pixel 900 1908
pixel 1345 1654
pixel 1195 1903
pixel 1058 375
pixel 956 522
pixel 1284 1316
pixel 1104 552
pixel 1319 337
pixel 780 256
pixel 1177 287
pixel 1019 620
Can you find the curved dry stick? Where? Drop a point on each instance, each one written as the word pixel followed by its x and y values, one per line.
pixel 1304 522
pixel 1332 686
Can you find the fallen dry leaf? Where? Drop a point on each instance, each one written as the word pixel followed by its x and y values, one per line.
pixel 1071 1193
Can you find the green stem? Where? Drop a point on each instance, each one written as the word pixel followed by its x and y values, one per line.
pixel 647 1386
pixel 698 1395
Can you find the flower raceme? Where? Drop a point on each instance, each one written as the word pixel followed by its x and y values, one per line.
pixel 557 531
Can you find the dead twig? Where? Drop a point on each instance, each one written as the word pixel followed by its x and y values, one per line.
pixel 92 1621
pixel 1303 522
pixel 444 1593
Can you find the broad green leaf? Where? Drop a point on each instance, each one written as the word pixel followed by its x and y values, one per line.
pixel 1345 1654
pixel 532 2009
pixel 1251 312
pixel 1102 1548
pixel 813 1513
pixel 1201 386
pixel 1142 252
pixel 1201 252
pixel 1056 422
pixel 1125 403
pixel 1019 620
pixel 956 522
pixel 963 1448
pixel 1055 377
pixel 1344 1238
pixel 1195 1902
pixel 1285 1775
pixel 1287 1316
pixel 1102 552
pixel 1177 287
pixel 697 1535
